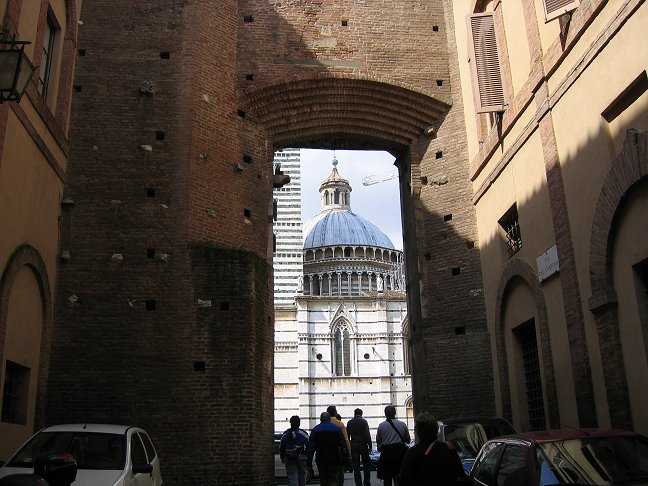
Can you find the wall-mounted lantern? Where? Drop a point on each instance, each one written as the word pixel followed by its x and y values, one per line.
pixel 15 70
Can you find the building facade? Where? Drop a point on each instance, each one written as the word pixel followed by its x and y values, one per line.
pixel 522 224
pixel 344 342
pixel 557 137
pixel 34 149
pixel 287 261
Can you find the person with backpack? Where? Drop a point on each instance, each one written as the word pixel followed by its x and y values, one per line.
pixel 293 452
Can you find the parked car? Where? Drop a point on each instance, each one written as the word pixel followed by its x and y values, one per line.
pixel 553 457
pixel 280 467
pixel 469 434
pixel 374 457
pixel 110 455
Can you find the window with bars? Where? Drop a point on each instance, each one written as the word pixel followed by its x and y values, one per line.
pixel 528 343
pixel 555 8
pixel 15 393
pixel 341 350
pixel 45 72
pixel 510 223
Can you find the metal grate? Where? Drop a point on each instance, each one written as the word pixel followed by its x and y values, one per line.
pixel 535 401
pixel 510 223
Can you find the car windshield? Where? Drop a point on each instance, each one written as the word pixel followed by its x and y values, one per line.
pixel 594 460
pixel 91 450
pixel 468 438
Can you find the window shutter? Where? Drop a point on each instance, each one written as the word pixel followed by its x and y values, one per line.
pixel 485 65
pixel 555 8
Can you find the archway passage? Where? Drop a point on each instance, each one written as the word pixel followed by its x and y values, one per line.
pixel 343 113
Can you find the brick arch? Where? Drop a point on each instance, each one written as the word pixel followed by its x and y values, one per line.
pixel 627 170
pixel 629 167
pixel 518 269
pixel 343 112
pixel 26 255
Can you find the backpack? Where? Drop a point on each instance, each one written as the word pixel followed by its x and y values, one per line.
pixel 292 449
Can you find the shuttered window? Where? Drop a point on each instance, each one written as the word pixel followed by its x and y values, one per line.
pixel 485 63
pixel 555 8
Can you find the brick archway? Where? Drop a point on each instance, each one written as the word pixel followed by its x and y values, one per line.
pixel 343 112
pixel 630 167
pixel 26 255
pixel 517 268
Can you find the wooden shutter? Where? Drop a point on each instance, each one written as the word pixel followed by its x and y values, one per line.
pixel 555 8
pixel 485 63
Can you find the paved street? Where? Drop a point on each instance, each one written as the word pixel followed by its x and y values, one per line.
pixel 348 480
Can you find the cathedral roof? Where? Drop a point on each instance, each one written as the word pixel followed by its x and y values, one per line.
pixel 343 227
pixel 336 224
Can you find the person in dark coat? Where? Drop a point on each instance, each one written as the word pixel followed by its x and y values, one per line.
pixel 430 462
pixel 329 447
pixel 360 438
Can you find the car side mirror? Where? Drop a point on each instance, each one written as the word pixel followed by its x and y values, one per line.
pixel 58 469
pixel 142 468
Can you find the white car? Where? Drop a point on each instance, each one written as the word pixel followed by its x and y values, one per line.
pixel 106 455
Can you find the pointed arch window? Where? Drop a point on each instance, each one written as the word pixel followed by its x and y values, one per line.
pixel 341 350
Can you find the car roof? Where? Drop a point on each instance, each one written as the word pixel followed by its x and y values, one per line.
pixel 100 428
pixel 542 436
pixel 469 420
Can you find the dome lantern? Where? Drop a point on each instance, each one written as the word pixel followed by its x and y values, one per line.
pixel 335 191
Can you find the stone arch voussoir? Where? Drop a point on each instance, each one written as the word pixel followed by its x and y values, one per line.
pixel 26 255
pixel 516 268
pixel 342 111
pixel 628 169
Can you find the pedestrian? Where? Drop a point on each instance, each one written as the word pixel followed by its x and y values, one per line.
pixel 346 461
pixel 293 452
pixel 329 447
pixel 360 438
pixel 392 438
pixel 431 462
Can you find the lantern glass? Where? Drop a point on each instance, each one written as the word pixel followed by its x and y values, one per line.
pixel 15 72
pixel 9 61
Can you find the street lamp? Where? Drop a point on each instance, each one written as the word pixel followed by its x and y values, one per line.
pixel 15 70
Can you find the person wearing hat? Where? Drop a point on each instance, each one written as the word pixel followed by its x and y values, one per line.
pixel 360 438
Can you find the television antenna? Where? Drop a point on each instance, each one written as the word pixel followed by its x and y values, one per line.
pixel 381 177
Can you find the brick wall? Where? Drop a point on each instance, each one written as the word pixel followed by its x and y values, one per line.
pixel 163 314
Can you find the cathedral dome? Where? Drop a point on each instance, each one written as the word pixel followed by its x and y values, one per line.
pixel 336 224
pixel 343 227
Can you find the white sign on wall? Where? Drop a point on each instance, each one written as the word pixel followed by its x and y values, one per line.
pixel 548 264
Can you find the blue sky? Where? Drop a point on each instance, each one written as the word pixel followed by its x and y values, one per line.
pixel 379 203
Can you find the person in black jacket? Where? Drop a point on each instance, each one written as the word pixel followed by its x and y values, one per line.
pixel 329 447
pixel 358 430
pixel 430 462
